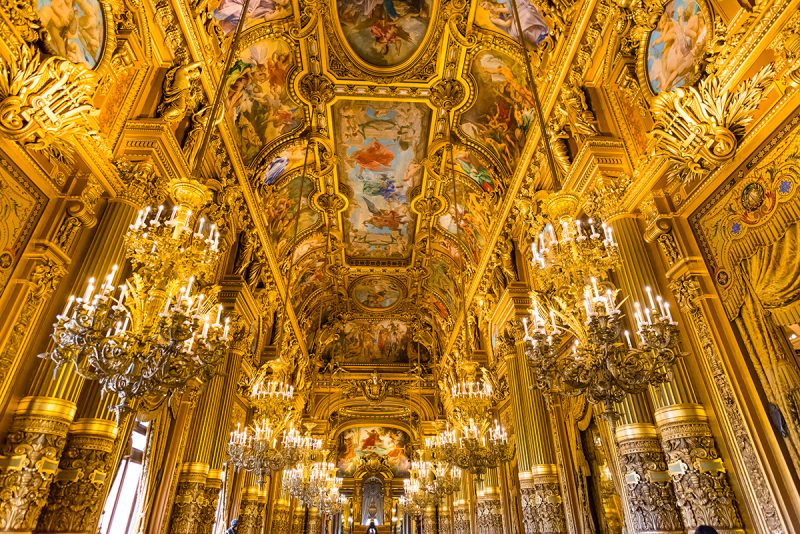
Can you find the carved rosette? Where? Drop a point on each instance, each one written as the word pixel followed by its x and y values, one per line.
pixel 30 459
pixel 542 509
pixel 651 499
pixel 188 508
pixel 76 495
pixel 703 492
pixel 490 515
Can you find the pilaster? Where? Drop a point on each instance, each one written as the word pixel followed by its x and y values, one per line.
pixel 490 510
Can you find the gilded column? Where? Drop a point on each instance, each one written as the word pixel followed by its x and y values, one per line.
pixel 298 519
pixel 490 510
pixel 250 517
pixel 281 516
pixel 542 503
pixel 461 510
pixel 702 490
pixel 190 500
pixel 314 521
pixel 445 517
pixel 85 473
pixel 429 525
pixel 30 459
pixel 106 249
pixel 651 505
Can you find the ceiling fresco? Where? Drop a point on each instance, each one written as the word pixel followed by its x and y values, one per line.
pixel 228 12
pixel 384 33
pixel 381 145
pixel 378 255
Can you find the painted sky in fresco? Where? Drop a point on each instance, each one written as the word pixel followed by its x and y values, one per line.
pixel 228 12
pixel 381 145
pixel 384 33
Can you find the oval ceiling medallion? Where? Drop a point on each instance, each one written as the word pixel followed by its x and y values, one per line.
pixel 384 33
pixel 377 292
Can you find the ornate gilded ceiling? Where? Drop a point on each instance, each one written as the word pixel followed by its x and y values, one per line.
pixel 341 113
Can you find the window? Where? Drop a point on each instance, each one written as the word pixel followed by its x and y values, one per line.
pixel 118 511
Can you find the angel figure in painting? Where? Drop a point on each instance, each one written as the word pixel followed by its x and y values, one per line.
pixel 678 39
pixel 534 28
pixel 384 218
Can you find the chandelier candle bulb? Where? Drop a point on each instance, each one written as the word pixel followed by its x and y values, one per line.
pixel 628 338
pixel 650 296
pixel 668 314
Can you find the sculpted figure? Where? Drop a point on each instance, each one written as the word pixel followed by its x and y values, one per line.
pixel 177 91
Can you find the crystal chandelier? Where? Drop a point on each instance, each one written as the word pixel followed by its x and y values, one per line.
pixel 414 499
pixel 307 482
pixel 474 447
pixel 268 445
pixel 157 332
pixel 331 501
pixel 603 361
pixel 437 479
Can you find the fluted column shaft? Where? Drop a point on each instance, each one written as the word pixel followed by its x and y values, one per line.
pixel 703 492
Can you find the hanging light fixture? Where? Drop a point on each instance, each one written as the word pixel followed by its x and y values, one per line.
pixel 152 335
pixel 604 361
pixel 473 444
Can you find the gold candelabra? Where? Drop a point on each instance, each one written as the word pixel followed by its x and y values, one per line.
pixel 604 361
pixel 475 446
pixel 159 331
pixel 436 478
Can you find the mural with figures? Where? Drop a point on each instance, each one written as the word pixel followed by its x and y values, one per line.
pixel 285 161
pixel 310 273
pixel 444 287
pixel 381 145
pixel 356 443
pixel 497 15
pixel 258 96
pixel 468 163
pixel 76 29
pixel 377 292
pixel 384 33
pixel 228 12
pixel 280 208
pixel 467 220
pixel 364 341
pixel 502 112
pixel 676 47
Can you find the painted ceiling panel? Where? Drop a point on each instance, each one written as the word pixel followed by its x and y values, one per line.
pixel 384 33
pixel 259 103
pixel 501 113
pixel 381 145
pixel 228 12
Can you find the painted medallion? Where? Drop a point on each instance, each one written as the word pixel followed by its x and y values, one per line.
pixel 377 292
pixel 676 47
pixel 384 33
pixel 76 29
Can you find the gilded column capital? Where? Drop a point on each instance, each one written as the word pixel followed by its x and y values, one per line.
pixel 687 291
pixel 142 184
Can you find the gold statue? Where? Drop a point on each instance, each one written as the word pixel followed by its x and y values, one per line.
pixel 177 91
